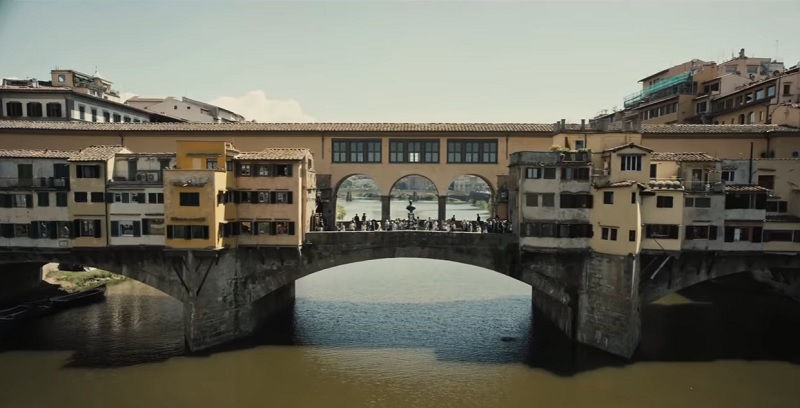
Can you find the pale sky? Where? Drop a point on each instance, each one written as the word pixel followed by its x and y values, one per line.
pixel 389 61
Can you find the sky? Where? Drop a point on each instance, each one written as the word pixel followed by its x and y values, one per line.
pixel 387 60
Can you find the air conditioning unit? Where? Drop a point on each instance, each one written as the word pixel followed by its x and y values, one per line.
pixel 141 177
pixel 152 177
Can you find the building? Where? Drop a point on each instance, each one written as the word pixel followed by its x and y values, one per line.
pixel 135 198
pixel 34 190
pixel 90 169
pixel 688 92
pixel 630 199
pixel 757 102
pixel 69 96
pixel 187 109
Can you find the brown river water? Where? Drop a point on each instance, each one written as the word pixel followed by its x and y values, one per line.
pixel 409 333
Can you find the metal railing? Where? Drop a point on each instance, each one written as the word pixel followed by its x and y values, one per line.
pixel 635 97
pixel 35 182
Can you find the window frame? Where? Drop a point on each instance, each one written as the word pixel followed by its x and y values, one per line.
pixel 360 151
pixel 189 199
pixel 402 150
pixel 472 151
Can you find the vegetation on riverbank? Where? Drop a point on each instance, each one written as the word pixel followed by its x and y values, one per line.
pixel 74 281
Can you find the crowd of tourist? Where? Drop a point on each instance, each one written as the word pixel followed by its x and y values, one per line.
pixel 492 225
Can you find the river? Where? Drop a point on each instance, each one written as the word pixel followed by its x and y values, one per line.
pixel 424 209
pixel 409 333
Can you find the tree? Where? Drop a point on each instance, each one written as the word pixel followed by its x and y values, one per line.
pixel 340 212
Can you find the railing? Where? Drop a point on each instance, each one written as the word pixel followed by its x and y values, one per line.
pixel 579 156
pixel 636 97
pixel 704 186
pixel 35 182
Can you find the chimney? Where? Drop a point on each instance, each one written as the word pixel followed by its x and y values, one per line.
pixel 563 125
pixel 557 127
pixel 583 124
pixel 741 53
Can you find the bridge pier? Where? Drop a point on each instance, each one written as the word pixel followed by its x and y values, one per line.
pixel 442 207
pixel 17 279
pixel 386 207
pixel 590 297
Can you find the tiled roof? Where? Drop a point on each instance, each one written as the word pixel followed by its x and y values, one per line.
pixel 683 157
pixel 723 129
pixel 625 146
pixel 375 127
pixel 36 153
pixel 782 218
pixel 98 153
pixel 274 154
pixel 623 183
pixel 40 87
pixel 744 188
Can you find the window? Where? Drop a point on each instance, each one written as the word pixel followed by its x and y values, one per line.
pixel 96 197
pixel 548 200
pixel 199 232
pixel 22 201
pixel 87 171
pixel 471 151
pixel 631 162
pixel 608 197
pixel 178 232
pixel 576 200
pixel 263 197
pixel 152 226
pixel 61 199
pixel 126 119
pixel 748 98
pixel 422 151
pixel 736 234
pixel 62 229
pixel 44 199
pixel 531 200
pixel 661 231
pixel 633 198
pixel 787 89
pixel 653 170
pixel 767 182
pixel 664 201
pixel 190 199
pixel 282 170
pixel 356 151
pixel 778 236
pixel 94 115
pixel 82 112
pixel 106 116
pixel 155 198
pixel 580 144
pixel 81 197
pixel 53 110
pixel 117 118
pixel 745 201
pixel 534 172
pixel 771 91
pixel 34 110
pixel 89 228
pixel 284 228
pixel 262 228
pixel 698 202
pixel 730 69
pixel 632 235
pixel 575 173
pixel 211 164
pixel 262 170
pixel 777 206
pixel 727 175
pixel 21 230
pixel 282 197
pixel 752 69
pixel 14 109
pixel 701 232
pixel 608 233
pixel 122 198
pixel 751 118
pixel 701 107
pixel 244 170
pixel 229 165
pixel 760 94
pixel 123 228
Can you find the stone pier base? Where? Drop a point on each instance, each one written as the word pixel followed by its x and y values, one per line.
pixel 207 325
pixel 17 279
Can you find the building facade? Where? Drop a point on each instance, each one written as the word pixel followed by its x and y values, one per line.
pixel 187 109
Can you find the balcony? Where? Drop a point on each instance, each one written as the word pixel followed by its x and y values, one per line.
pixel 34 183
pixel 699 186
pixel 140 177
pixel 678 84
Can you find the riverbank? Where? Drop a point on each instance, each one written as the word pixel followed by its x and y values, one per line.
pixel 75 281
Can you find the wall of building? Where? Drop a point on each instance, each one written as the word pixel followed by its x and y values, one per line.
pixel 714 215
pixel 720 146
pixel 76 103
pixel 274 212
pixel 623 215
pixel 134 211
pixel 180 109
pixel 793 227
pixel 25 99
pixel 205 182
pixel 90 210
pixel 651 214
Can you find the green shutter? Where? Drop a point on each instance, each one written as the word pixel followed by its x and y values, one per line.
pixel 52 228
pixel 712 232
pixel 98 228
pixel 114 228
pixel 169 232
pixel 77 227
pixel 29 200
pixel 109 198
pixel 273 228
pixel 137 228
pixel 44 199
pixel 291 228
pixel 205 231
pixel 140 198
pixel 289 197
pixel 33 230
pixel 7 230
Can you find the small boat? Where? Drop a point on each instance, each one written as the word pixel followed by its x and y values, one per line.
pixel 14 313
pixel 80 298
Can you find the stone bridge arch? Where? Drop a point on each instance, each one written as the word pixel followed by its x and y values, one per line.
pixel 385 176
pixel 693 268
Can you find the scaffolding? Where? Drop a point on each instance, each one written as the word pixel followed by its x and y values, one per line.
pixel 635 98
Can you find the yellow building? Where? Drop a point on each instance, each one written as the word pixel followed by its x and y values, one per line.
pixel 89 169
pixel 194 195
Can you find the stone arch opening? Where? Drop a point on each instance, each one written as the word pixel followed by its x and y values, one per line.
pixel 417 190
pixel 470 196
pixel 356 194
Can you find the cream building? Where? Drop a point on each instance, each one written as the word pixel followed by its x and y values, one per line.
pixel 34 189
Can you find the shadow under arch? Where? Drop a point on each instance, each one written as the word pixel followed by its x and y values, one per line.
pixel 435 190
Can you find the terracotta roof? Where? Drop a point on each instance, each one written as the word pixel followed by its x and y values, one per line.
pixel 782 218
pixel 724 129
pixel 98 153
pixel 372 127
pixel 744 188
pixel 36 153
pixel 625 146
pixel 40 86
pixel 274 154
pixel 683 157
pixel 623 183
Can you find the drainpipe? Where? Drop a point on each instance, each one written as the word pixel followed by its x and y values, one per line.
pixel 769 151
pixel 750 171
